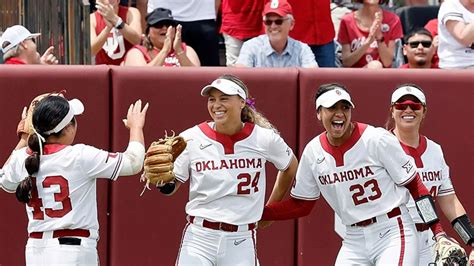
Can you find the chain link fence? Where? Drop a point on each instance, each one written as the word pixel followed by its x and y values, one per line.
pixel 63 24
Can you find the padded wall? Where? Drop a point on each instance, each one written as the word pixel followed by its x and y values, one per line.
pixel 448 122
pixel 18 86
pixel 147 230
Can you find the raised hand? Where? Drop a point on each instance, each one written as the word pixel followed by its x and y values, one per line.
pixel 177 40
pixel 48 57
pixel 136 115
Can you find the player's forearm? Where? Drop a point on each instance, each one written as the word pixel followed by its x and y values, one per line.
pixel 283 181
pixel 417 190
pixel 451 206
pixel 136 134
pixel 288 209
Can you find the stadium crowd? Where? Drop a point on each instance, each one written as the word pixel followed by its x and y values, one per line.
pixel 265 33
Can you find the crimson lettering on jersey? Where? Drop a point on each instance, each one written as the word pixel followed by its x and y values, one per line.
pixel 229 164
pixel 431 176
pixel 345 176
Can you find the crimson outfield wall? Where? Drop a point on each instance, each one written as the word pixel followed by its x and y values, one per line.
pixel 147 230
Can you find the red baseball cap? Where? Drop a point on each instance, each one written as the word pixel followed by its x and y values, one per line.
pixel 279 7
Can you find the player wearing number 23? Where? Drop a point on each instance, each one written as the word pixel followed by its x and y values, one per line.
pixel 224 161
pixel 363 173
pixel 57 181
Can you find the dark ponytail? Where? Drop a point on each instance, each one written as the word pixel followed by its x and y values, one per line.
pixel 47 114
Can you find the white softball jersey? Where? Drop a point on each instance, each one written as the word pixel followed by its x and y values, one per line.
pixel 64 188
pixel 433 170
pixel 453 54
pixel 361 179
pixel 227 173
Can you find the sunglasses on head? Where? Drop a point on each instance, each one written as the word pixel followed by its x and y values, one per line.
pixel 277 21
pixel 404 105
pixel 415 44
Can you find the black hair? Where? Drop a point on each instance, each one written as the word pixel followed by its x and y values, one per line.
pixel 328 87
pixel 419 31
pixel 381 2
pixel 48 113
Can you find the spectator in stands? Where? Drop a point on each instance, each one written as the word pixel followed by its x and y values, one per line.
pixel 276 48
pixel 162 45
pixel 419 49
pixel 241 21
pixel 315 28
pixel 368 36
pixel 456 34
pixel 19 48
pixel 432 27
pixel 198 18
pixel 114 30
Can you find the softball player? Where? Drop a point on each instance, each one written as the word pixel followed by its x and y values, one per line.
pixel 363 174
pixel 408 110
pixel 225 164
pixel 57 180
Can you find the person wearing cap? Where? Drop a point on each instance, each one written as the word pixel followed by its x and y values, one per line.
pixel 407 112
pixel 419 50
pixel 368 36
pixel 199 21
pixel 363 174
pixel 114 30
pixel 163 44
pixel 57 181
pixel 18 45
pixel 276 48
pixel 225 165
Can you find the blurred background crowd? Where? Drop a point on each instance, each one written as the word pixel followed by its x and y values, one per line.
pixel 240 33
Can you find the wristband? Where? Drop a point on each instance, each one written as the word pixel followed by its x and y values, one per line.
pixel 120 24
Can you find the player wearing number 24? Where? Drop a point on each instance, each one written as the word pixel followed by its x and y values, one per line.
pixel 363 173
pixel 224 161
pixel 57 181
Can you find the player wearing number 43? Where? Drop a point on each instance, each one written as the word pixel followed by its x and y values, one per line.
pixel 225 162
pixel 57 181
pixel 363 174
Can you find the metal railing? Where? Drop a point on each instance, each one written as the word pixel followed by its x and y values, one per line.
pixel 63 24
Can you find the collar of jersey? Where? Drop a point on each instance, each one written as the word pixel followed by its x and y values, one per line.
pixel 49 149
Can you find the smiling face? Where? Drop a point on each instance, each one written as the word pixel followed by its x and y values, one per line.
pixel 225 109
pixel 405 115
pixel 157 34
pixel 337 122
pixel 275 32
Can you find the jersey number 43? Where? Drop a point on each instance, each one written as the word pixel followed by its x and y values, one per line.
pixel 62 196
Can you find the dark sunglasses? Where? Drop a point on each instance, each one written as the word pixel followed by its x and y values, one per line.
pixel 415 44
pixel 404 105
pixel 277 21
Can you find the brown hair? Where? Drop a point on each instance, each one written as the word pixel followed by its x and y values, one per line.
pixel 249 113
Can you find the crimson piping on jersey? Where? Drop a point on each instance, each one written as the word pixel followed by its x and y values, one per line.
pixel 227 141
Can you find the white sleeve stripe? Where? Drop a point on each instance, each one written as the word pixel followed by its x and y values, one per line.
pixel 444 191
pixel 287 165
pixel 451 14
pixel 303 198
pixel 117 167
pixel 408 180
pixel 180 179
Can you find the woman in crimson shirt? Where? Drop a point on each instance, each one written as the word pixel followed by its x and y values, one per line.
pixel 368 36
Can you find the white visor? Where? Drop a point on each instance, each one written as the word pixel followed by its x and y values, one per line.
pixel 225 86
pixel 333 96
pixel 75 108
pixel 408 90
